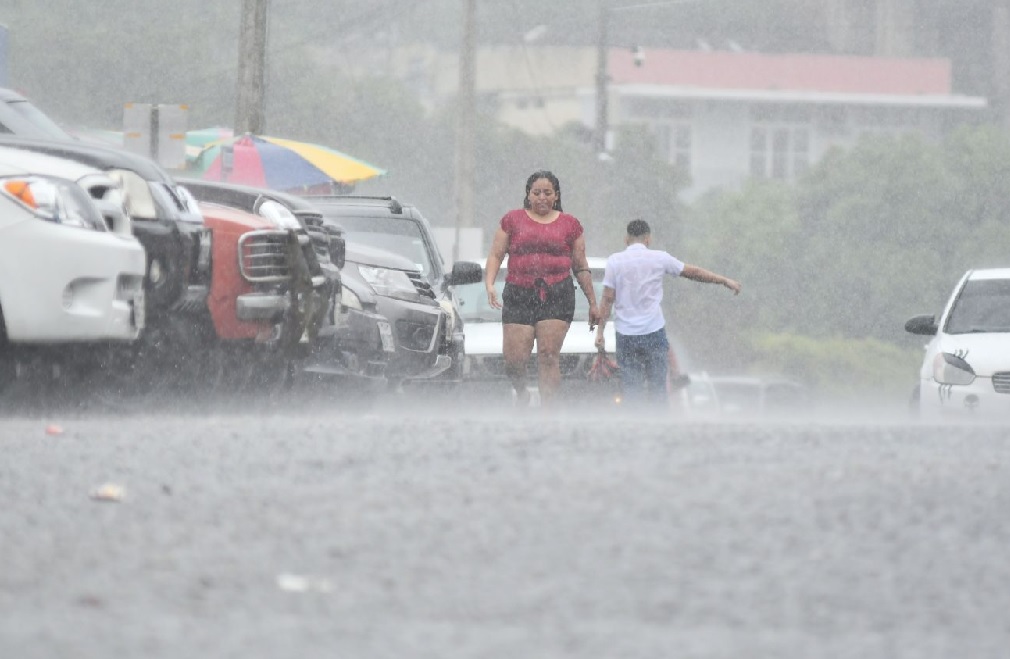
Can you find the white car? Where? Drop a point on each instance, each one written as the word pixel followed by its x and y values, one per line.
pixel 744 395
pixel 71 272
pixel 482 328
pixel 966 369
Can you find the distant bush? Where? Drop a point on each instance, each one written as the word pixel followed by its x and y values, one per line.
pixel 838 366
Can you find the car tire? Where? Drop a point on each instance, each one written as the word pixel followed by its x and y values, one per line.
pixel 8 368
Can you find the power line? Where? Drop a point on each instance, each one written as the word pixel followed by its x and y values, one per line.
pixel 537 88
pixel 228 70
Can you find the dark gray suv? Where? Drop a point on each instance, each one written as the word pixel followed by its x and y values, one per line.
pixel 414 291
pixel 19 117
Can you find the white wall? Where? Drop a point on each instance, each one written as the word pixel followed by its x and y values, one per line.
pixel 471 244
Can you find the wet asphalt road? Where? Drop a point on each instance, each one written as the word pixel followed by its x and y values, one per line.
pixel 321 530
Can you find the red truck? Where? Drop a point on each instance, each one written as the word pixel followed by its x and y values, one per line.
pixel 267 296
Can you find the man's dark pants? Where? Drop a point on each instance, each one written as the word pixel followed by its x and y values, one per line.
pixel 642 362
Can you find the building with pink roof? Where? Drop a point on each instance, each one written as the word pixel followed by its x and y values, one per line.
pixel 724 117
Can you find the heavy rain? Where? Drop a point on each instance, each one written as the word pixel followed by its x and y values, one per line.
pixel 262 394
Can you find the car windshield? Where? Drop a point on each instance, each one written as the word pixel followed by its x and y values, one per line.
pixel 982 306
pixel 401 237
pixel 475 308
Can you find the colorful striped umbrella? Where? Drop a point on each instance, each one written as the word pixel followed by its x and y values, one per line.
pixel 199 139
pixel 280 164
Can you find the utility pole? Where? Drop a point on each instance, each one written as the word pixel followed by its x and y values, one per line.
pixel 466 158
pixel 251 67
pixel 1001 60
pixel 600 134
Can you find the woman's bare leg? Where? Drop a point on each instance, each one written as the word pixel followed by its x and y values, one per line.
pixel 550 335
pixel 517 346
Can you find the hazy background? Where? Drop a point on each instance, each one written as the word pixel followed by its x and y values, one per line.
pixel 831 265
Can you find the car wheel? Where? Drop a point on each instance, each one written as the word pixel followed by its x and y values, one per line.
pixel 8 369
pixel 8 366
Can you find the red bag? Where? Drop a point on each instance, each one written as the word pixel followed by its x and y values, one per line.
pixel 603 368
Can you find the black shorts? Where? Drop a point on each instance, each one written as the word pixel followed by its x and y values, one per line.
pixel 525 306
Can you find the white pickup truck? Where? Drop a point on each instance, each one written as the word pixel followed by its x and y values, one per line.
pixel 71 272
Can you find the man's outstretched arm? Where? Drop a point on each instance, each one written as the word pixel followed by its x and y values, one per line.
pixel 705 276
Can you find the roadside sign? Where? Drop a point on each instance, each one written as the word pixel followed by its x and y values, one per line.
pixel 157 131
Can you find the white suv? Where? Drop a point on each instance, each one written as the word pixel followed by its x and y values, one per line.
pixel 69 273
pixel 966 370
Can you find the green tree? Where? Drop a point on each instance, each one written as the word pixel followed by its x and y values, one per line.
pixel 754 236
pixel 834 265
pixel 978 160
pixel 876 231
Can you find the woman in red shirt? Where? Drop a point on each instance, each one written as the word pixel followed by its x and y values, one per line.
pixel 545 246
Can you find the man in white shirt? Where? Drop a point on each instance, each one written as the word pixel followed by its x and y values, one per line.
pixel 633 287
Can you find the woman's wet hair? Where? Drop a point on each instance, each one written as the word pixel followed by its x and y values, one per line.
pixel 536 176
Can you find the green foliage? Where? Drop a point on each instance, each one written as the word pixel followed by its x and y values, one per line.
pixel 877 226
pixel 833 266
pixel 753 236
pixel 837 365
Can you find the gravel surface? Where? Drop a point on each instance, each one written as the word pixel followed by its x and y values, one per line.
pixel 320 530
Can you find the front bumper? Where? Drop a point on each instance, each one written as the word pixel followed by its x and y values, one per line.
pixel 269 307
pixel 359 348
pixel 292 291
pixel 419 335
pixel 85 286
pixel 976 401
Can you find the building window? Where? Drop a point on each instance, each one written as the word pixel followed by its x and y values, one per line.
pixel 673 143
pixel 801 151
pixel 758 152
pixel 779 152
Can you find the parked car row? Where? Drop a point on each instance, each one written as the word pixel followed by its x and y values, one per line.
pixel 391 277
pixel 115 272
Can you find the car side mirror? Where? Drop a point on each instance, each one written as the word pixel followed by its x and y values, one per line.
pixel 924 324
pixel 465 272
pixel 338 250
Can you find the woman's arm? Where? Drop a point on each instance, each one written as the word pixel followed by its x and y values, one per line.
pixel 499 245
pixel 583 275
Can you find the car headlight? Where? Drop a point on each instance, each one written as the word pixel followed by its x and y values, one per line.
pixel 350 300
pixel 278 214
pixel 206 243
pixel 952 369
pixel 387 282
pixel 53 200
pixel 451 316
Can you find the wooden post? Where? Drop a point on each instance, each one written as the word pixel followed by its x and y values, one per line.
pixel 466 157
pixel 249 114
